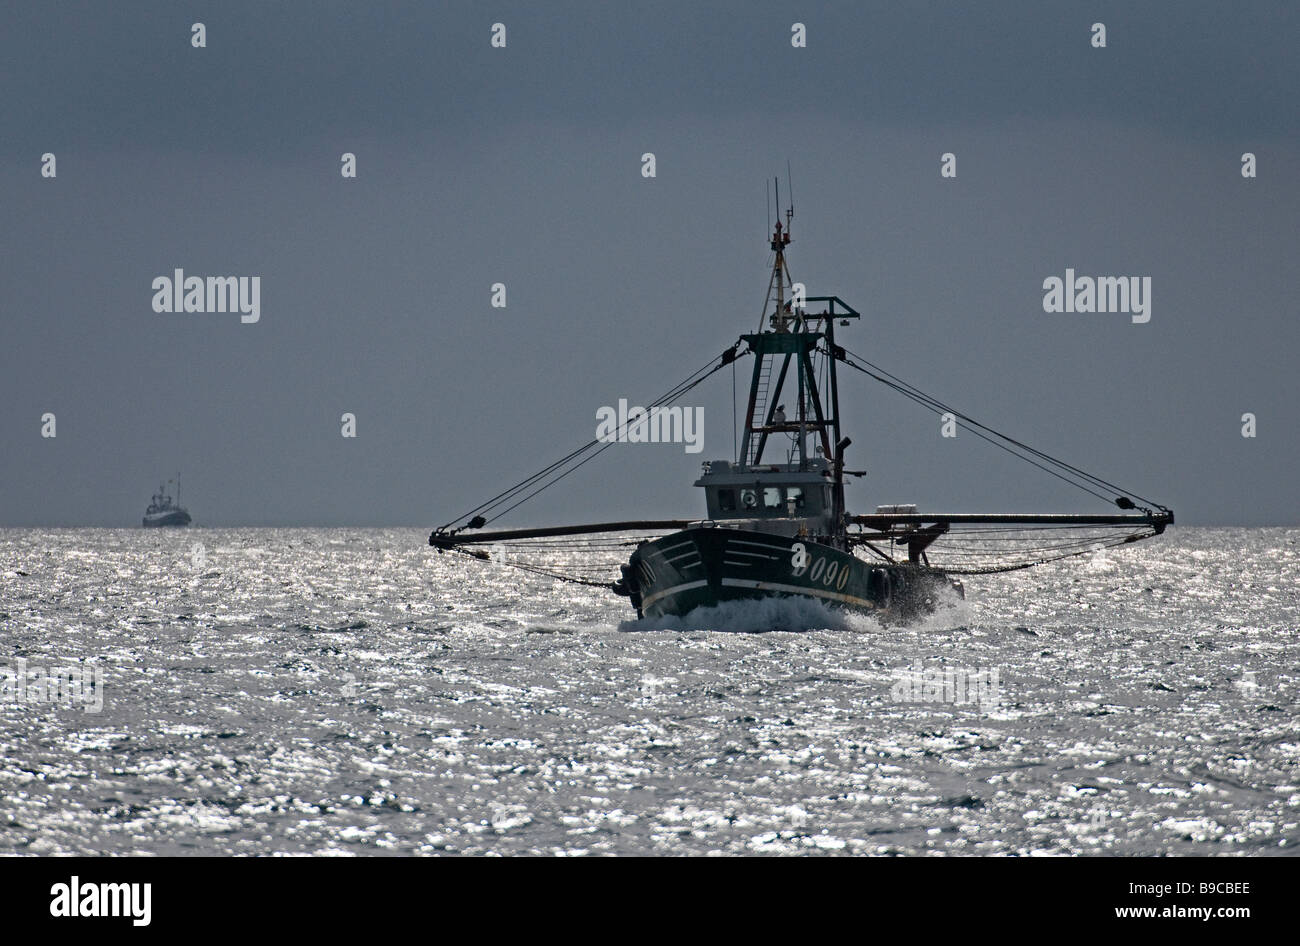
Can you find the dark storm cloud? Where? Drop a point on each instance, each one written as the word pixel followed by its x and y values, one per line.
pixel 522 165
pixel 124 75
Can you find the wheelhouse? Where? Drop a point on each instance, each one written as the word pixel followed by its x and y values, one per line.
pixel 770 491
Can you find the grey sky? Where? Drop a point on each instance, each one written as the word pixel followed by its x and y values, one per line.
pixel 522 165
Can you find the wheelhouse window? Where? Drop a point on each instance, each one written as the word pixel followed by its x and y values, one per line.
pixel 795 493
pixel 727 500
pixel 772 497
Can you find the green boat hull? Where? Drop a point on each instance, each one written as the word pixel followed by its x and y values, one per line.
pixel 705 566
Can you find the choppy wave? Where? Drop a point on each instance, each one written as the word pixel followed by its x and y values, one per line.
pixel 352 692
pixel 757 616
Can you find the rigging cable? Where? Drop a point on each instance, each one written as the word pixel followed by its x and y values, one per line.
pixel 523 566
pixel 1064 471
pixel 485 512
pixel 735 437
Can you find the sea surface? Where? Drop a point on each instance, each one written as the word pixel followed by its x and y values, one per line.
pixel 353 692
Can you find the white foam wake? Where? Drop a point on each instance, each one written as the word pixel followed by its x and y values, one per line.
pixel 758 615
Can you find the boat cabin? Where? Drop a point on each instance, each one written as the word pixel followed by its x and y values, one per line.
pixel 768 491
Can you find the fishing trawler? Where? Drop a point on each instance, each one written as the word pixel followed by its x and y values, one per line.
pixel 778 526
pixel 163 512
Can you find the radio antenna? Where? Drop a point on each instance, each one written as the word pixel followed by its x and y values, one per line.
pixel 789 187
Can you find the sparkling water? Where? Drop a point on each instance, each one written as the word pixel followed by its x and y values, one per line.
pixel 352 691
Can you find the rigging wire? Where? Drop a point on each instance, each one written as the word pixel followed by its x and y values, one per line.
pixel 968 555
pixel 998 569
pixel 552 474
pixel 537 570
pixel 735 436
pixel 1065 472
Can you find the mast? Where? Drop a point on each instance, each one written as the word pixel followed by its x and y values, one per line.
pixel 793 337
pixel 779 273
pixel 837 462
pixel 783 334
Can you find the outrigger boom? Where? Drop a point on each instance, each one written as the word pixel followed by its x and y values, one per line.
pixel 882 521
pixel 449 540
pixel 1157 520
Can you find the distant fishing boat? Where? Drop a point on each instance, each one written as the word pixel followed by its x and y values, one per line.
pixel 782 528
pixel 163 512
